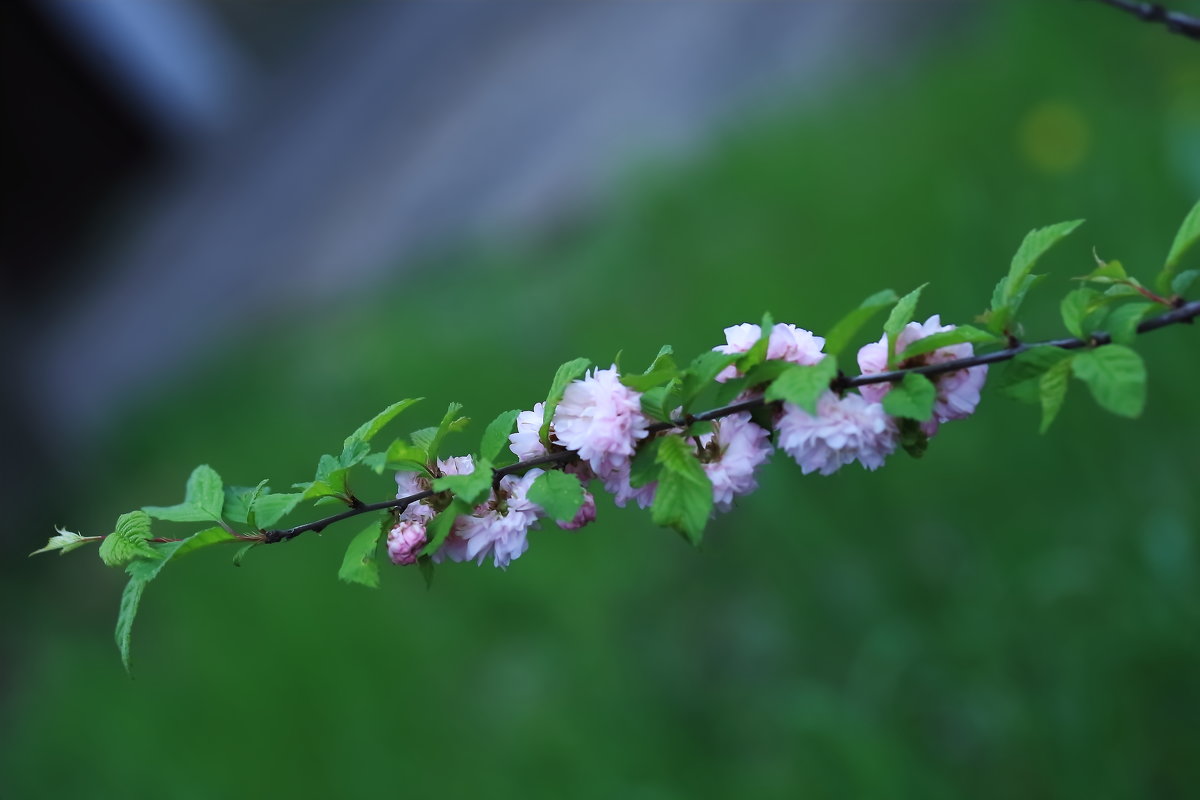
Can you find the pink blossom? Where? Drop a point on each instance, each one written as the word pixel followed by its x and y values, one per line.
pixel 601 419
pixel 526 442
pixel 738 447
pixel 844 429
pixel 957 392
pixel 585 515
pixel 404 542
pixel 408 484
pixel 617 484
pixel 787 343
pixel 499 527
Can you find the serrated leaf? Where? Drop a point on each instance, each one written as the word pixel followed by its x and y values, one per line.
pixel 270 508
pixel 659 403
pixel 128 540
pixel 238 500
pixel 242 551
pixel 901 315
pixel 644 468
pixel 562 379
pixel 495 437
pixel 402 451
pixel 700 375
pixel 1185 238
pixel 803 385
pixel 202 501
pixel 1183 281
pixel 1116 376
pixel 422 439
pixel 962 334
pixel 1075 307
pixel 450 423
pixel 358 565
pixel 65 542
pixel 757 353
pixel 845 329
pixel 684 498
pixel 353 452
pixel 204 538
pixel 660 372
pixel 1123 321
pixel 1052 389
pixel 368 429
pixel 1035 244
pixel 1020 378
pixel 440 527
pixel 131 598
pixel 471 488
pixel 913 397
pixel 560 495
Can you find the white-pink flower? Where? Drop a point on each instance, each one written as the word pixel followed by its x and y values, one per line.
pixel 957 392
pixel 787 343
pixel 526 443
pixel 738 447
pixel 617 484
pixel 601 419
pixel 844 429
pixel 499 527
pixel 404 542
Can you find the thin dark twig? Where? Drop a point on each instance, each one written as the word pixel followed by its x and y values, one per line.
pixel 1175 22
pixel 1183 313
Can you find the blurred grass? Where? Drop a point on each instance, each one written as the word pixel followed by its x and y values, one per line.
pixel 1010 616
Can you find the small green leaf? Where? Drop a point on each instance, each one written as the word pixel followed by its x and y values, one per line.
pixel 659 403
pixel 1020 378
pixel 358 565
pixel 270 508
pixel 912 397
pixel 471 488
pixel 422 439
pixel 1053 391
pixel 128 540
pixel 1116 376
pixel 430 439
pixel 845 329
pixel 1107 272
pixel 1183 281
pixel 495 437
pixel 661 371
pixel 560 495
pixel 401 451
pixel 65 542
pixel 960 335
pixel 238 500
pixel 644 467
pixel 1188 235
pixel 368 429
pixel 202 501
pixel 901 315
pixel 131 598
pixel 206 537
pixel 242 551
pixel 562 379
pixel 1123 321
pixel 684 498
pixel 757 353
pixel 803 385
pixel 441 525
pixel 1075 307
pixel 1032 248
pixel 701 374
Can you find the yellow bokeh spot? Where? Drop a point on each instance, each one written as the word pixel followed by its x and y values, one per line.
pixel 1054 137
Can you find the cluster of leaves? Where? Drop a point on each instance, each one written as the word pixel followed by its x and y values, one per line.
pixel 1102 316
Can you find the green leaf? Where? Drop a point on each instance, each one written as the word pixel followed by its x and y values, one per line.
pixel 206 537
pixel 644 467
pixel 1077 304
pixel 1106 272
pixel 432 442
pixel 1020 378
pixel 560 495
pixel 495 437
pixel 960 335
pixel 914 440
pixel 1036 243
pixel 661 371
pixel 128 540
pixel 401 451
pixel 1052 387
pixel 562 379
pixel 368 429
pixel 426 565
pixel 661 401
pixel 845 329
pixel 901 315
pixel 238 500
pixel 757 353
pixel 1188 235
pixel 441 525
pixel 270 508
pixel 701 374
pixel 1183 281
pixel 65 542
pixel 131 598
pixel 471 488
pixel 913 397
pixel 242 551
pixel 803 385
pixel 1116 376
pixel 1122 321
pixel 358 565
pixel 202 501
pixel 683 499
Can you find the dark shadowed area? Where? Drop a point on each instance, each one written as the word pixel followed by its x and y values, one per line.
pixel 234 232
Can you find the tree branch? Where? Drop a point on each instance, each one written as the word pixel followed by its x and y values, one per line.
pixel 1152 12
pixel 1183 313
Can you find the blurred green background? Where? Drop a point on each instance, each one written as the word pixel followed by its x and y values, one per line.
pixel 1012 615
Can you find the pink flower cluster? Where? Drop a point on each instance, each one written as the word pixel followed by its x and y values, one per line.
pixel 602 422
